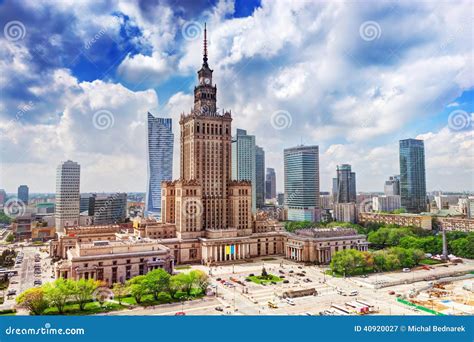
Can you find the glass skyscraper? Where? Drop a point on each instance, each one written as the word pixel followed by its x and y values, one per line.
pixel 160 160
pixel 412 175
pixel 302 183
pixel 23 193
pixel 270 184
pixel 244 161
pixel 259 176
pixel 344 186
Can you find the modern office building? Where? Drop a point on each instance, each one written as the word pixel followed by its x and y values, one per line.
pixel 301 165
pixel 259 177
pixel 108 209
pixel 412 175
pixel 386 203
pixel 446 201
pixel 470 208
pixel 23 193
pixel 270 184
pixel 345 212
pixel 244 161
pixel 281 198
pixel 344 185
pixel 67 202
pixel 326 201
pixel 84 202
pixel 392 186
pixel 160 160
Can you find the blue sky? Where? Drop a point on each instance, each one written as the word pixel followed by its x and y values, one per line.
pixel 77 78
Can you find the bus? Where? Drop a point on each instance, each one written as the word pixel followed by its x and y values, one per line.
pixel 341 310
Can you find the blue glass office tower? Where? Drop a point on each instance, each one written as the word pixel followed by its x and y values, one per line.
pixel 412 175
pixel 302 183
pixel 160 160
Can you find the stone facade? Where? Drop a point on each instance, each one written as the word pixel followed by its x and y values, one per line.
pixel 114 261
pixel 319 245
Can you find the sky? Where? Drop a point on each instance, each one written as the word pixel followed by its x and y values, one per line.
pixel 77 79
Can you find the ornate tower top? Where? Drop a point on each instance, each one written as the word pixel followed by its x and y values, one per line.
pixel 204 59
pixel 205 92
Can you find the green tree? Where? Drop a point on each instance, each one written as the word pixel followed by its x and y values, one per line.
pixel 157 281
pixel 58 293
pixel 137 288
pixel 33 300
pixel 164 297
pixel 201 280
pixel 184 282
pixel 120 291
pixel 81 290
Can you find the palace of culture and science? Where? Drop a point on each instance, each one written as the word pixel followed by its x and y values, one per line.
pixel 206 217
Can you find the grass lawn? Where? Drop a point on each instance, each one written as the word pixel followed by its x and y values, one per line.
pixel 148 300
pixel 90 309
pixel 430 262
pixel 184 267
pixel 265 280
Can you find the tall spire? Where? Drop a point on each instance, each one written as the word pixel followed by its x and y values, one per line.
pixel 205 46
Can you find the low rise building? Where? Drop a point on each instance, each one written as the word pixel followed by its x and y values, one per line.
pixel 114 261
pixel 319 245
pixel 415 220
pixel 72 235
pixel 456 224
pixel 21 226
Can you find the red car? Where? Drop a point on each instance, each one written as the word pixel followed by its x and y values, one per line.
pixel 181 313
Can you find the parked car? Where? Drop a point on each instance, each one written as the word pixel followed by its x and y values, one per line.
pixel 290 301
pixel 180 313
pixel 37 282
pixel 11 292
pixel 219 308
pixel 406 269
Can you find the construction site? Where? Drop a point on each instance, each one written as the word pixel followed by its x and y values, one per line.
pixel 453 297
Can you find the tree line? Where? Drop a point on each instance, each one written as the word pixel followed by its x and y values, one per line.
pixel 161 285
pixel 353 262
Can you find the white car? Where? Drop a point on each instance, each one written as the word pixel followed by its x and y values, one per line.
pixel 290 301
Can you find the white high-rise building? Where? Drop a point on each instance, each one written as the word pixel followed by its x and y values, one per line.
pixel 68 177
pixel 386 203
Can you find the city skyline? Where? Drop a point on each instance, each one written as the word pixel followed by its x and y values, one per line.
pixel 95 114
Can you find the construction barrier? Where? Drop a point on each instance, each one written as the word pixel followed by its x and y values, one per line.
pixel 419 307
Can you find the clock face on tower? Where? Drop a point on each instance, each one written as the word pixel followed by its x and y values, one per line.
pixel 207 81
